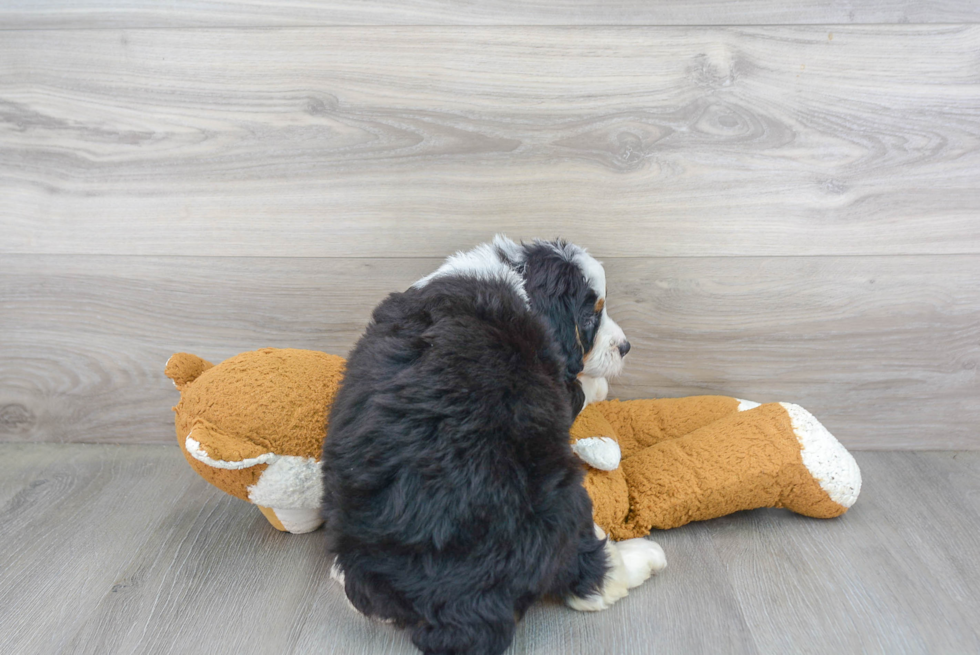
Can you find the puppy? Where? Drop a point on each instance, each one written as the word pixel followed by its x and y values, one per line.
pixel 452 499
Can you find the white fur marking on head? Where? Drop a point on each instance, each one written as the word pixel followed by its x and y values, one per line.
pixel 604 359
pixel 831 465
pixel 290 482
pixel 484 263
pixel 514 252
pixel 595 274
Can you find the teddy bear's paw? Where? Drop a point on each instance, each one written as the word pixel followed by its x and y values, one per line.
pixel 830 464
pixel 595 389
pixel 602 453
pixel 614 585
pixel 642 558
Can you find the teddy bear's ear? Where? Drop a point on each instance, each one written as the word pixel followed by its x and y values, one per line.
pixel 184 368
pixel 208 444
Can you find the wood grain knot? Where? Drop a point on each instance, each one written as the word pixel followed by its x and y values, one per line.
pixel 16 419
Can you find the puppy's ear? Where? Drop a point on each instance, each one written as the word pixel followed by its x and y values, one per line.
pixel 555 288
pixel 560 313
pixel 564 320
pixel 576 395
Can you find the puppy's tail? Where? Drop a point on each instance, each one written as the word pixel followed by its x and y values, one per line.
pixel 467 635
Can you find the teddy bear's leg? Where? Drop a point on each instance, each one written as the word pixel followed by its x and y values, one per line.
pixel 776 455
pixel 642 423
pixel 610 498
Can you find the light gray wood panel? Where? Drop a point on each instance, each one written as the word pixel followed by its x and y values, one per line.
pixel 124 549
pixel 85 339
pixel 418 141
pixel 883 350
pixel 261 13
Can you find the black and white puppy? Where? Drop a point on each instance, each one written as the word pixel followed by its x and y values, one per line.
pixel 452 498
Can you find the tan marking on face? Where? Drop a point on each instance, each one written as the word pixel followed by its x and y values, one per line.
pixel 599 304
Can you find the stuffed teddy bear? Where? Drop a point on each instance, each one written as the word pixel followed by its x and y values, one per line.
pixel 254 425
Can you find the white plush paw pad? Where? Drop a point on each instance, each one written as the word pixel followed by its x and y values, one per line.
pixel 598 452
pixel 642 558
pixel 830 464
pixel 299 521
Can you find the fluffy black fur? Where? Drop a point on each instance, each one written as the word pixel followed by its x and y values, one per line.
pixel 452 498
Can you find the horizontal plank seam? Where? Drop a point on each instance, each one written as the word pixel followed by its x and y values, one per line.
pixel 396 26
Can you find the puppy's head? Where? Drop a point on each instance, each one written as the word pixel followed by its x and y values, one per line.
pixel 568 287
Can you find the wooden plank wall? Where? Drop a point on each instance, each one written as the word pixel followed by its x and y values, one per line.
pixel 786 195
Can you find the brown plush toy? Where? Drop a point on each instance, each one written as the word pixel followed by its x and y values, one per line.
pixel 696 458
pixel 254 425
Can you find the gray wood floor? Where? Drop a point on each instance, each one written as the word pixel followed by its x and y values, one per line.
pixel 123 549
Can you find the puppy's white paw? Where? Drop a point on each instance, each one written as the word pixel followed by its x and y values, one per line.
pixel 602 453
pixel 595 389
pixel 642 558
pixel 337 572
pixel 614 586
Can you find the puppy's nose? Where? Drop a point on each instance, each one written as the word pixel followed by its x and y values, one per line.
pixel 624 348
